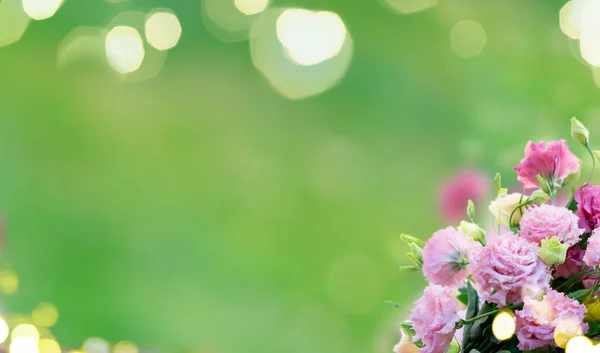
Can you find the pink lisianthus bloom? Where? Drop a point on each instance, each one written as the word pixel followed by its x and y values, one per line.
pixel 455 193
pixel 592 252
pixel 553 163
pixel 505 266
pixel 588 207
pixel 537 320
pixel 546 221
pixel 446 257
pixel 434 318
pixel 573 263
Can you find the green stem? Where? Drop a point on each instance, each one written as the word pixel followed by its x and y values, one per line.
pixel 475 318
pixel 575 277
pixel 513 212
pixel 587 147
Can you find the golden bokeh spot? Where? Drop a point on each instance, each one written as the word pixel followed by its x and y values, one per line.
pixel 13 21
pixel 48 345
pixel 580 344
pixel 468 39
pixel 124 49
pixel 163 30
pixel 25 330
pixel 45 315
pixel 96 345
pixel 251 7
pixel 566 25
pixel 9 282
pixel 409 6
pixel 125 347
pixel 504 325
pixel 23 345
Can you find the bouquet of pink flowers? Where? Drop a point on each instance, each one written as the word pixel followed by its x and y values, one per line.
pixel 531 283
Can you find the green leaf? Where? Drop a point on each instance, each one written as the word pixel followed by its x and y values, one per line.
pixel 579 295
pixel 472 311
pixel 572 204
pixel 498 182
pixel 393 304
pixel 543 184
pixel 408 239
pixel 414 259
pixel 408 268
pixel 419 344
pixel 463 298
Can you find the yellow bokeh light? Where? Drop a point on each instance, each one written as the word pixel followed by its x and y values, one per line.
pixel 468 39
pixel 580 344
pixel 310 37
pixel 96 345
pixel 565 330
pixel 4 330
pixel 124 49
pixel 125 347
pixel 163 30
pixel 251 7
pixel 565 21
pixel 45 315
pixel 24 345
pixel 9 282
pixel 504 325
pixel 47 345
pixel 410 6
pixel 25 330
pixel 41 9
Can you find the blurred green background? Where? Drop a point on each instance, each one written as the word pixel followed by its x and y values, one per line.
pixel 200 211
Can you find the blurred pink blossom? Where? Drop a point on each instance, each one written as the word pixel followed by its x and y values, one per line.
pixel 455 193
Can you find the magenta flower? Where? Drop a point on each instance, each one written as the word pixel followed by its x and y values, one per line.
pixel 434 318
pixel 546 221
pixel 446 257
pixel 553 163
pixel 592 252
pixel 588 207
pixel 457 191
pixel 537 320
pixel 505 266
pixel 572 264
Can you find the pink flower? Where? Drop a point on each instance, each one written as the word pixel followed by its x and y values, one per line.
pixel 434 318
pixel 553 163
pixel 592 252
pixel 572 264
pixel 505 266
pixel 537 320
pixel 588 207
pixel 446 257
pixel 546 221
pixel 457 191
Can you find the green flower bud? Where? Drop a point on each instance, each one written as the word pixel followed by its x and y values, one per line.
pixel 552 251
pixel 454 347
pixel 579 132
pixel 407 239
pixel 543 184
pixel 472 230
pixel 471 210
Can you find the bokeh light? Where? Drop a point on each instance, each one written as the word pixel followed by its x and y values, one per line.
pixel 300 68
pixel 48 345
pixel 310 37
pixel 504 325
pixel 468 39
pixel 580 344
pixel 41 9
pixel 566 24
pixel 96 345
pixel 4 330
pixel 9 282
pixel 125 347
pixel 82 44
pixel 24 345
pixel 152 60
pixel 409 6
pixel 124 49
pixel 589 38
pixel 230 20
pixel 45 315
pixel 13 21
pixel 163 30
pixel 251 7
pixel 25 330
